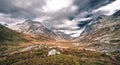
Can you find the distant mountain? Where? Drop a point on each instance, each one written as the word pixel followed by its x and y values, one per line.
pixel 61 35
pixel 103 34
pixel 33 27
pixel 36 28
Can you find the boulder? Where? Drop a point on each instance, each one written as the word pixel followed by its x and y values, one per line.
pixel 53 52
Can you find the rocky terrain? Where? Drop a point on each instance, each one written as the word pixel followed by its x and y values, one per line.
pixel 36 28
pixel 103 34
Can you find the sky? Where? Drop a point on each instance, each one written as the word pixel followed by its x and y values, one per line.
pixel 63 15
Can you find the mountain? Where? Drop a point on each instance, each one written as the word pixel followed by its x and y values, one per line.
pixel 88 11
pixel 33 27
pixel 36 28
pixel 61 35
pixel 11 40
pixel 103 33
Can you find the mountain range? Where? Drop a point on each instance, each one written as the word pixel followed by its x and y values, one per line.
pixel 101 33
pixel 36 28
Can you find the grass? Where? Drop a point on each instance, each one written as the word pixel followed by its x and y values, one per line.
pixel 9 39
pixel 8 36
pixel 67 57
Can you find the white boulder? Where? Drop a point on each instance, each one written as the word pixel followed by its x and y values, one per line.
pixel 53 52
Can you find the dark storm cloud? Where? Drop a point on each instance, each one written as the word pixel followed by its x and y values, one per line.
pixel 21 8
pixel 89 5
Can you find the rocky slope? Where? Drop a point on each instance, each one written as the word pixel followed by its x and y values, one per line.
pixel 33 27
pixel 103 34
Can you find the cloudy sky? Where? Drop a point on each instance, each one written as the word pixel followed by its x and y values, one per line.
pixel 64 15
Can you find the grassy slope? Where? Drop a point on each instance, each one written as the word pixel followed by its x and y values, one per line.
pixel 9 38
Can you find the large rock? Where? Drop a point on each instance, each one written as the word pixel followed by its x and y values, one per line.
pixel 53 52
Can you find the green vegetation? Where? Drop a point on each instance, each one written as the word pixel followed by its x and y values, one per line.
pixel 97 63
pixel 9 39
pixel 52 60
pixel 67 57
pixel 8 36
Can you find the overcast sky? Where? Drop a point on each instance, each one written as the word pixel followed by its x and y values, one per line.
pixel 60 14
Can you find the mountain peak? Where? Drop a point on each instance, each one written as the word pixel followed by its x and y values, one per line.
pixel 28 20
pixel 32 22
pixel 36 28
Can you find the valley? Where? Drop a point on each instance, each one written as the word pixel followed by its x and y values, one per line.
pixel 35 49
pixel 60 32
pixel 96 46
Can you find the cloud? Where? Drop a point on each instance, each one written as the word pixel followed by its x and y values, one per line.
pixel 109 9
pixel 22 8
pixel 5 18
pixel 64 15
pixel 55 5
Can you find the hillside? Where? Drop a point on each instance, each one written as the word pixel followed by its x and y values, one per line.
pixel 9 37
pixel 14 41
pixel 103 35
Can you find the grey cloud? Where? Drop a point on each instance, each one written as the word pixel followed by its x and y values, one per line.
pixel 57 18
pixel 89 5
pixel 5 18
pixel 19 9
pixel 31 9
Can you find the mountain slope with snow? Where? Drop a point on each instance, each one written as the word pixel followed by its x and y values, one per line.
pixel 103 34
pixel 89 16
pixel 36 28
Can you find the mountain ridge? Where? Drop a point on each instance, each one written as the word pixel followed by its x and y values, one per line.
pixel 36 28
pixel 103 34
